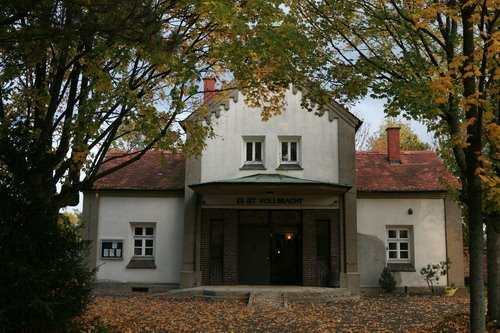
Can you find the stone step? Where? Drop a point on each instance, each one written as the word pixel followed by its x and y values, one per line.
pixel 215 295
pixel 268 299
pixel 273 296
pixel 320 299
pixel 334 295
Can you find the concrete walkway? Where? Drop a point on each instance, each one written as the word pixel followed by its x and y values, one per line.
pixel 249 288
pixel 264 296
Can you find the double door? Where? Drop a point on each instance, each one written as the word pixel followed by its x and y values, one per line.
pixel 270 247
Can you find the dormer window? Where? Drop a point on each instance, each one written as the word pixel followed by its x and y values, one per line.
pixel 253 153
pixel 289 153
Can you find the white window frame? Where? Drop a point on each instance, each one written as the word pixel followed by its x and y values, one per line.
pixel 143 237
pixel 289 140
pixel 253 140
pixel 398 241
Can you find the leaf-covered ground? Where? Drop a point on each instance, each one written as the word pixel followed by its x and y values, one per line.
pixel 376 313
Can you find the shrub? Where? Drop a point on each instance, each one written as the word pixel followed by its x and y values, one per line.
pixel 44 280
pixel 433 272
pixel 386 281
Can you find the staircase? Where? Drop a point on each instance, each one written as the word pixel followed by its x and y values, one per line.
pixel 280 299
pixel 267 299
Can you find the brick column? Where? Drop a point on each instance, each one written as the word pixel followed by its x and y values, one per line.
pixel 230 269
pixel 309 274
pixel 309 256
pixel 335 242
pixel 205 246
pixel 230 260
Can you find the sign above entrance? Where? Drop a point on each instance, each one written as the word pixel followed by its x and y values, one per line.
pixel 269 201
pixel 298 202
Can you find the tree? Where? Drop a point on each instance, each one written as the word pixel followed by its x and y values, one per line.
pixel 75 78
pixel 74 218
pixel 362 134
pixel 408 139
pixel 434 61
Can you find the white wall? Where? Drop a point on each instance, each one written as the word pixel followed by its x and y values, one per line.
pixel 223 156
pixel 429 242
pixel 115 215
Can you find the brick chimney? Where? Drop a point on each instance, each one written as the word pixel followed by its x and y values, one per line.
pixel 393 145
pixel 208 89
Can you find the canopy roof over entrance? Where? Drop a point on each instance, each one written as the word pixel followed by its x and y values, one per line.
pixel 269 184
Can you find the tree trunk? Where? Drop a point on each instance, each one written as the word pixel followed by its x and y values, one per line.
pixel 473 197
pixel 493 262
pixel 476 247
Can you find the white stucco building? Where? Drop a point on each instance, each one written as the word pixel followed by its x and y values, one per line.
pixel 287 202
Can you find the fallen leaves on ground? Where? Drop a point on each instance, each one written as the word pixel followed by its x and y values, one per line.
pixel 375 313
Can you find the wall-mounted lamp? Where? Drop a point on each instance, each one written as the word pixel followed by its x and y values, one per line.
pixel 410 211
pixel 288 236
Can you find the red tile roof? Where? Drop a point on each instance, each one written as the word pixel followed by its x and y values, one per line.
pixel 151 172
pixel 418 171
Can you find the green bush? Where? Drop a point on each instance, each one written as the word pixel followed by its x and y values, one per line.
pixel 387 282
pixel 44 280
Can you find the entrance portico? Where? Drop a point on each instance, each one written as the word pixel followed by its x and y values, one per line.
pixel 270 230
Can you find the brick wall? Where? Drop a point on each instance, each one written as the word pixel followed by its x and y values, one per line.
pixel 309 264
pixel 309 261
pixel 206 216
pixel 230 266
pixel 335 241
pixel 230 255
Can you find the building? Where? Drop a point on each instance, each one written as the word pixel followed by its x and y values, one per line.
pixel 274 202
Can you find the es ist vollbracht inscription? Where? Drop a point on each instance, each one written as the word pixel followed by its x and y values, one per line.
pixel 269 201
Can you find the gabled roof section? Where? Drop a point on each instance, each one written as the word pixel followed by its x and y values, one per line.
pixel 155 170
pixel 218 100
pixel 334 109
pixel 419 171
pixel 221 99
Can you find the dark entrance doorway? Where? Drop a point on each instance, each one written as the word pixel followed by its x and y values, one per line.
pixel 270 247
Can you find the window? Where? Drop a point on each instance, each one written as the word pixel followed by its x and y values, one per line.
pixel 398 245
pixel 323 239
pixel 253 153
pixel 216 239
pixel 144 241
pixel 324 268
pixel 289 153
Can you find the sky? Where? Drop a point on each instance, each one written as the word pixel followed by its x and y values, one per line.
pixel 372 110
